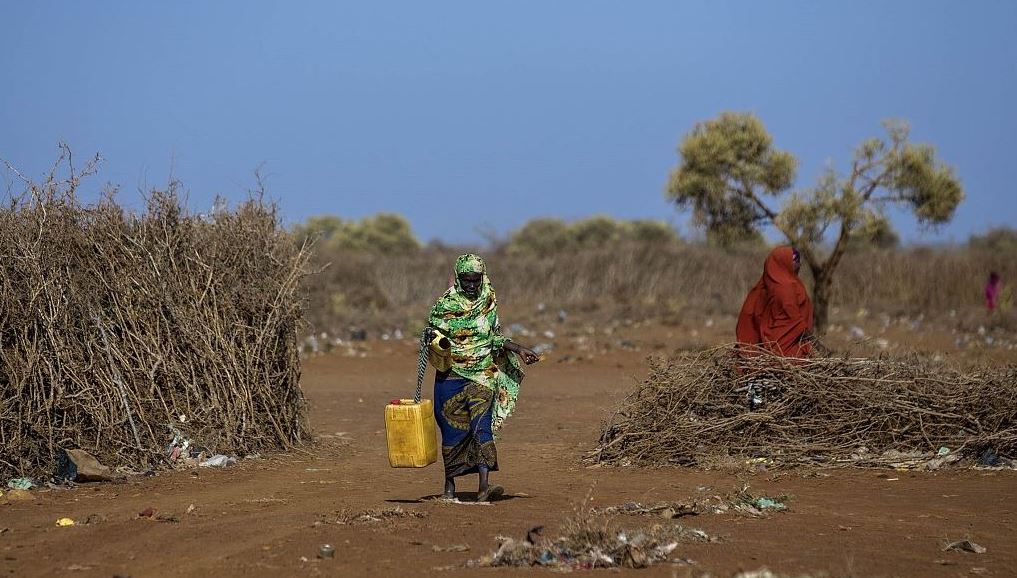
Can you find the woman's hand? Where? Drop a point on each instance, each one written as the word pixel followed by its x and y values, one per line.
pixel 528 355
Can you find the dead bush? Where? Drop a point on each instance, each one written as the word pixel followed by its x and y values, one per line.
pixel 829 411
pixel 118 327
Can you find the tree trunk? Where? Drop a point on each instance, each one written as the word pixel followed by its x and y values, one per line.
pixel 821 289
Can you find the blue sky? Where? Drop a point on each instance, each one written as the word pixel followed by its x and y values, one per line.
pixel 481 115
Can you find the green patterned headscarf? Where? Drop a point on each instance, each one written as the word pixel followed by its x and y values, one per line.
pixel 473 327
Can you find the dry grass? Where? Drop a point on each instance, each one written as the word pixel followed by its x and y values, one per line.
pixel 117 327
pixel 669 282
pixel 862 412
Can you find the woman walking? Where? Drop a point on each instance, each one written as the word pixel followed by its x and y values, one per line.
pixel 777 313
pixel 475 396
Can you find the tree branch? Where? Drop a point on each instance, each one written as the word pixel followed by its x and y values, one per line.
pixel 749 193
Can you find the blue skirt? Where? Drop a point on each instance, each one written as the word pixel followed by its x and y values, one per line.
pixel 463 410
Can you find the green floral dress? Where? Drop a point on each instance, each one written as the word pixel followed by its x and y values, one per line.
pixel 474 330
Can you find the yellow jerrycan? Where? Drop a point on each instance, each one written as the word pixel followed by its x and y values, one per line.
pixel 410 428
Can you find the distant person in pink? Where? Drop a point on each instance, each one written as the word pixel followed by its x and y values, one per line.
pixel 992 291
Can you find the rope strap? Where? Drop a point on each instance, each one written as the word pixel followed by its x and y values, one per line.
pixel 425 341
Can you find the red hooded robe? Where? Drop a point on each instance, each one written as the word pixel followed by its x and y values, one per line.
pixel 777 312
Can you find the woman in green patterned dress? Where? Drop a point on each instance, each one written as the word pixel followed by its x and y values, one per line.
pixel 475 396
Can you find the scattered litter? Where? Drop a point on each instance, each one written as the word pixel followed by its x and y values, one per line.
pixel 943 451
pixel 942 460
pixel 326 551
pixel 191 509
pixel 81 467
pixel 666 510
pixel 218 461
pixel 182 451
pixel 585 544
pixel 740 501
pixel 764 503
pixel 62 522
pixel 21 484
pixel 989 458
pixel 965 546
pixel 147 512
pixel 349 517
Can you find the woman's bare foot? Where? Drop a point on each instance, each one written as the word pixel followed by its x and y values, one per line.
pixel 490 493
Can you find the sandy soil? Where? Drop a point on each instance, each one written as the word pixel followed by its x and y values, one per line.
pixel 259 518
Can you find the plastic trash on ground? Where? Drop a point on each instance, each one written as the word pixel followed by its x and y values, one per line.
pixel 20 483
pixel 81 466
pixel 764 503
pixel 218 461
pixel 966 546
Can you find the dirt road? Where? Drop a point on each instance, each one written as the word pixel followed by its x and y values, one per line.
pixel 259 518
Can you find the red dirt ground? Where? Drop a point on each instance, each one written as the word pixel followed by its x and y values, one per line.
pixel 258 518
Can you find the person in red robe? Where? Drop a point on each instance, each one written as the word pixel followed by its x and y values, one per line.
pixel 777 313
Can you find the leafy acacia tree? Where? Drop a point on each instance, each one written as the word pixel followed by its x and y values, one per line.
pixel 735 181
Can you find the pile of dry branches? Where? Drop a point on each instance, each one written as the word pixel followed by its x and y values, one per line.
pixel 695 407
pixel 116 328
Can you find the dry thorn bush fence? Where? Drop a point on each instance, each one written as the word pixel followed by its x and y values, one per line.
pixel 118 326
pixel 864 412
